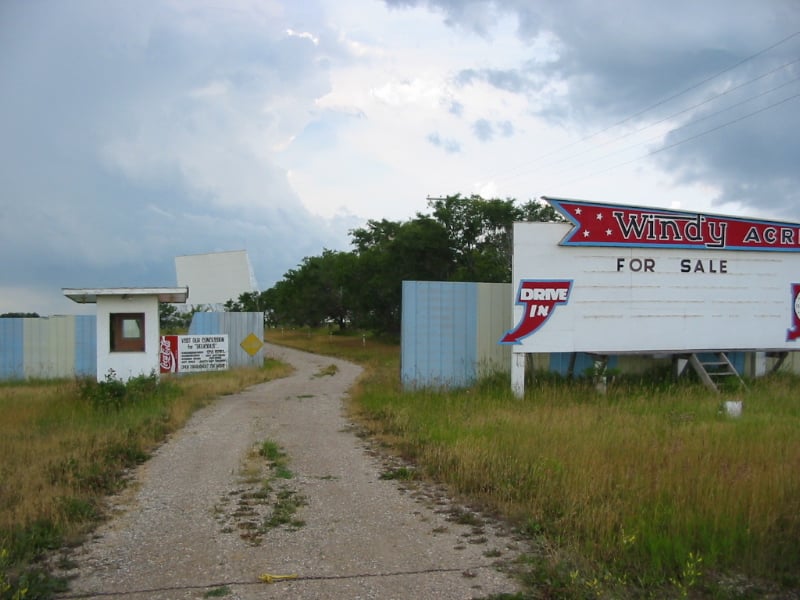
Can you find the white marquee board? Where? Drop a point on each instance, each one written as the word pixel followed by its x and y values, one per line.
pixel 216 277
pixel 616 280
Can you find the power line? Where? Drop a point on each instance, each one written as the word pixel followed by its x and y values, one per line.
pixel 690 123
pixel 652 106
pixel 689 139
pixel 674 115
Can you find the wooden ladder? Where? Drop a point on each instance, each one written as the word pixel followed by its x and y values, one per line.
pixel 715 370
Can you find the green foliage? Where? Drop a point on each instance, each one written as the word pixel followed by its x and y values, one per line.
pixel 19 581
pixel 479 231
pixel 68 443
pixel 113 394
pixel 647 487
pixel 271 451
pixel 400 474
pixel 464 239
pixel 173 321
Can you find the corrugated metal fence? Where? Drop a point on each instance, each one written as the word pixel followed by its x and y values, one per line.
pixel 48 347
pixel 450 332
pixel 66 346
pixel 239 326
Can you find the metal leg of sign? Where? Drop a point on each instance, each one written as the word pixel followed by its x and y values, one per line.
pixel 518 374
pixel 681 364
pixel 759 364
pixel 778 359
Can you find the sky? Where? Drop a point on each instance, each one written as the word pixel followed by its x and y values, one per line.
pixel 135 132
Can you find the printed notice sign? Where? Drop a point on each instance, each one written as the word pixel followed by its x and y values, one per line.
pixel 193 353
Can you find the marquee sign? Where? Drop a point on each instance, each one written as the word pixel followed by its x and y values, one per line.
pixel 618 279
pixel 597 224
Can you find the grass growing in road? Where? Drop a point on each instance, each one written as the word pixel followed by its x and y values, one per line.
pixel 649 487
pixel 66 444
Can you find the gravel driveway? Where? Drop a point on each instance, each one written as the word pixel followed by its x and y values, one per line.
pixel 191 525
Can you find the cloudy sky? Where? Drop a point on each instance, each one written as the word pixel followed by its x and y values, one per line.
pixel 134 132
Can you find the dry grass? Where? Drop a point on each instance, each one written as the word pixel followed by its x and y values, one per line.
pixel 646 483
pixel 61 453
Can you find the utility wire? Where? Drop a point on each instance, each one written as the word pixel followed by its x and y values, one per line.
pixel 672 116
pixel 654 105
pixel 684 126
pixel 689 139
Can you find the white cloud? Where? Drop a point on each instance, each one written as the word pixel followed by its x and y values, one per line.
pixel 276 126
pixel 303 35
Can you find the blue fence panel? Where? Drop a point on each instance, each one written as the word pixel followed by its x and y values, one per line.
pixel 85 346
pixel 439 334
pixel 238 326
pixel 12 352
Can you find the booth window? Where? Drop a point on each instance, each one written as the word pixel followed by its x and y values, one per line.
pixel 127 332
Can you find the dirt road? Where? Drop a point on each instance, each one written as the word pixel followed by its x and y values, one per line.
pixel 192 525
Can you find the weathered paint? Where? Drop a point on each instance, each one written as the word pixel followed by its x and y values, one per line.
pixel 237 325
pixel 450 330
pixel 12 353
pixel 49 344
pixel 85 345
pixel 494 312
pixel 48 347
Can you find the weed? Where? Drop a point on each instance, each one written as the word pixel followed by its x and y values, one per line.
pixel 330 370
pixel 217 592
pixel 401 474
pixel 464 517
pixel 67 443
pixel 630 481
pixel 284 509
pixel 26 583
pixel 271 451
pixel 282 472
pixel 690 574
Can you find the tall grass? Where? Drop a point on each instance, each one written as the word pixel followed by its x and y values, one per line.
pixel 64 445
pixel 645 483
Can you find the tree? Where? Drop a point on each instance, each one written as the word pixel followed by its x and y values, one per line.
pixel 480 232
pixel 389 253
pixel 317 291
pixel 171 320
pixel 464 239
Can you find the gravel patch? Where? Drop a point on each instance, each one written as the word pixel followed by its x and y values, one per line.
pixel 198 520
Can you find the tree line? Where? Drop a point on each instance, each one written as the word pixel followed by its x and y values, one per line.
pixel 461 239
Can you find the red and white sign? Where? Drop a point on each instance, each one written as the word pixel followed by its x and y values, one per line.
pixel 193 353
pixel 597 224
pixel 622 279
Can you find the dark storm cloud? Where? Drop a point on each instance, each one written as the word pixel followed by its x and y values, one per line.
pixel 634 63
pixel 112 116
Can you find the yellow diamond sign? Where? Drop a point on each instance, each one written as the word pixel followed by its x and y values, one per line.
pixel 251 344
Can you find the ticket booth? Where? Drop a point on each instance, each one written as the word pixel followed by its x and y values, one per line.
pixel 127 327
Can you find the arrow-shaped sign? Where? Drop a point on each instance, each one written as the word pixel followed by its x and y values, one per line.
pixel 539 299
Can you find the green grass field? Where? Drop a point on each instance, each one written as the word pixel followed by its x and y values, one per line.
pixel 65 445
pixel 650 487
pixel 650 490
